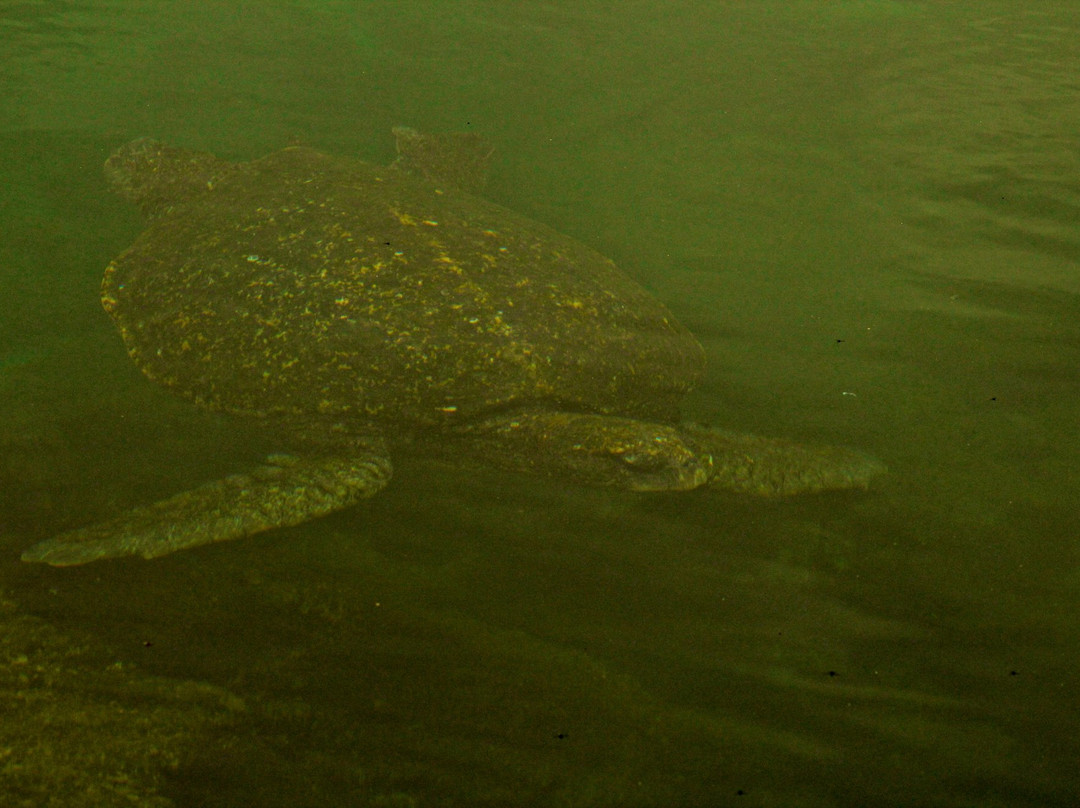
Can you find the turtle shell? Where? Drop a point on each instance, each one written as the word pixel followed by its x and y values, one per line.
pixel 328 288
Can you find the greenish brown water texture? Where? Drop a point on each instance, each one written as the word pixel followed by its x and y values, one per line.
pixel 869 213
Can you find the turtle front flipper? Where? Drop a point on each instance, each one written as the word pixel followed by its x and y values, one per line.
pixel 749 464
pixel 285 491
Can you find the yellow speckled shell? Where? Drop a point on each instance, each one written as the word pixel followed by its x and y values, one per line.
pixel 322 287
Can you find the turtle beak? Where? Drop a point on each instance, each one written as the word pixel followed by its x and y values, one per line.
pixel 666 466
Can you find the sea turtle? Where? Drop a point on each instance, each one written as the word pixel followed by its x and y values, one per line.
pixel 362 310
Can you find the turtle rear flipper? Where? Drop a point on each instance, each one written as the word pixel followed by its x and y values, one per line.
pixel 286 491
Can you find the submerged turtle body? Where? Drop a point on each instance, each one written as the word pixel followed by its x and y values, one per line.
pixel 322 287
pixel 369 309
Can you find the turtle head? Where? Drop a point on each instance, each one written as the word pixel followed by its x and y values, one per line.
pixel 593 449
pixel 639 456
pixel 155 176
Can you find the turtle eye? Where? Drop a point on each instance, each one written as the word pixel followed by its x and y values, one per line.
pixel 641 461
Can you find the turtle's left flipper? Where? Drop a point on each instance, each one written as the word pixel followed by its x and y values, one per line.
pixel 284 492
pixel 772 467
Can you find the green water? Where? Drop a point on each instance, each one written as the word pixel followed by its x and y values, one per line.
pixel 869 212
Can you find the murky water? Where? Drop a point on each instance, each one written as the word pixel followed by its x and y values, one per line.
pixel 869 212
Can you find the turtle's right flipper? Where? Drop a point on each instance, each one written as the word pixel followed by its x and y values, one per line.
pixel 771 467
pixel 285 492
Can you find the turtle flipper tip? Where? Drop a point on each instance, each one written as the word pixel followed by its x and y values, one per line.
pixel 279 494
pixel 59 552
